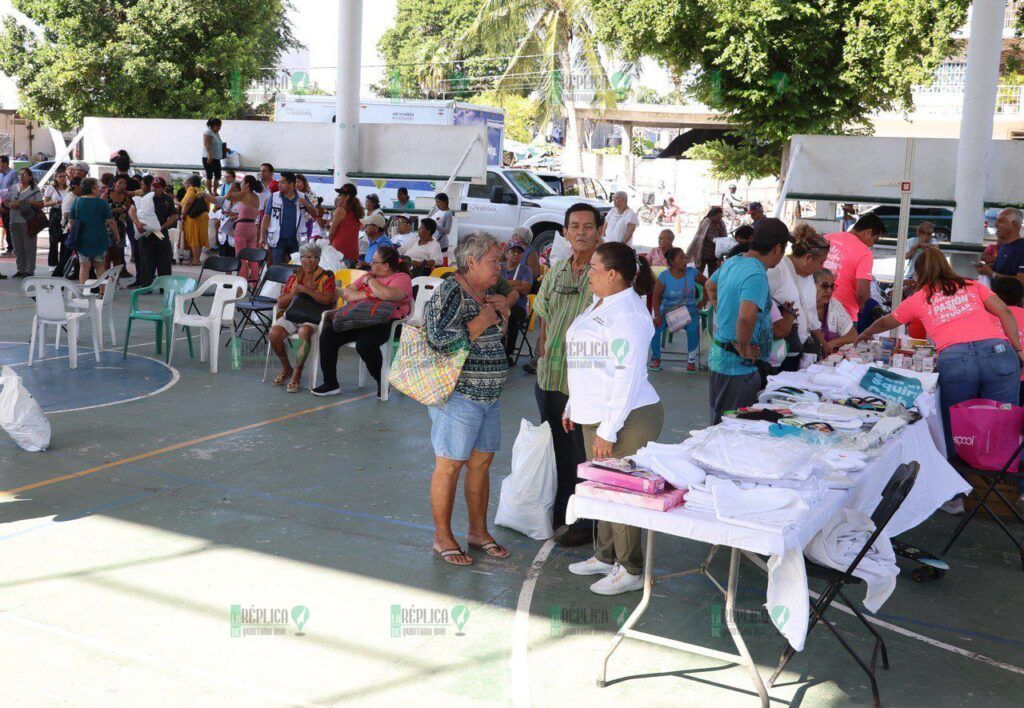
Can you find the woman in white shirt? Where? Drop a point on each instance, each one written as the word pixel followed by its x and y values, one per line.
pixel 837 328
pixel 423 252
pixel 792 284
pixel 610 396
pixel 53 197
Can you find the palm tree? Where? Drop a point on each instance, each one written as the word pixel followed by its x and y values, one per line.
pixel 557 52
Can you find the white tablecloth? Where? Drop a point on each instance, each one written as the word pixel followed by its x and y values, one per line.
pixel 787 582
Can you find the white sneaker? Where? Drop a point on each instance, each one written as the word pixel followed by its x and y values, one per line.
pixel 619 581
pixel 591 566
pixel 954 506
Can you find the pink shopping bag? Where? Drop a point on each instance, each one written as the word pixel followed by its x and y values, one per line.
pixel 986 432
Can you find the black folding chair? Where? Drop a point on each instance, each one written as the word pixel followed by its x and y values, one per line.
pixel 217 264
pixel 520 330
pixel 257 310
pixel 258 256
pixel 993 478
pixel 895 492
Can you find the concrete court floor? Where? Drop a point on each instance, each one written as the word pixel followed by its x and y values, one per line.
pixel 117 584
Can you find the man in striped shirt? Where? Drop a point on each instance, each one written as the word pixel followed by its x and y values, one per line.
pixel 564 294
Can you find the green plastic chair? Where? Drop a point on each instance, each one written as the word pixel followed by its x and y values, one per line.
pixel 707 315
pixel 172 286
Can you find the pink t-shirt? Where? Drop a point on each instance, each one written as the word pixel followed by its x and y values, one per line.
pixel 402 281
pixel 952 319
pixel 849 260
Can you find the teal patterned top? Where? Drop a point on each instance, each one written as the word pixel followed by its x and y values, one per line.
pixel 486 368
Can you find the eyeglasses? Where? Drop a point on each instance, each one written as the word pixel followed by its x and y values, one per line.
pixel 827 286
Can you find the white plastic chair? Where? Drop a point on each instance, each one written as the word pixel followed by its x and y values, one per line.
pixel 52 297
pixel 228 289
pixel 312 364
pixel 427 285
pixel 104 305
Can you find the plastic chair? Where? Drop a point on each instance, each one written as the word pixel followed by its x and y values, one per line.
pixel 347 276
pixel 52 297
pixel 171 286
pixel 312 364
pixel 896 490
pixel 226 290
pixel 104 305
pixel 227 265
pixel 442 271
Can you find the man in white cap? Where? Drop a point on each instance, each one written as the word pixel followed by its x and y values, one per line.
pixel 374 227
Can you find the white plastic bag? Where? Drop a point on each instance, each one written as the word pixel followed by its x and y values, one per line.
pixel 528 494
pixel 20 415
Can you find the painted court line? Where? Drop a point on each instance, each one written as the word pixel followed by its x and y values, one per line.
pixel 521 629
pixel 181 445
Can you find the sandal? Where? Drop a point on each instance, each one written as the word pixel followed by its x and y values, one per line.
pixel 280 379
pixel 491 548
pixel 292 387
pixel 450 553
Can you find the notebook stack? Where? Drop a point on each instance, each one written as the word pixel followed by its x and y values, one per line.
pixel 623 482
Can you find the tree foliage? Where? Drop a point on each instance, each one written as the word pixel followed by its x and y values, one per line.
pixel 783 67
pixel 521 113
pixel 153 58
pixel 426 54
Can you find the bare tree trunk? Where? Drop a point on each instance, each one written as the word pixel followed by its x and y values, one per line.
pixel 573 139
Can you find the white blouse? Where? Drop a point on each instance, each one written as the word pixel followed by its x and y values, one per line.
pixel 606 355
pixel 788 286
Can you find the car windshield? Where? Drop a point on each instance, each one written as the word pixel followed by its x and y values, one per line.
pixel 528 184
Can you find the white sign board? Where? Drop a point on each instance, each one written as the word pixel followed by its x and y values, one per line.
pixel 852 168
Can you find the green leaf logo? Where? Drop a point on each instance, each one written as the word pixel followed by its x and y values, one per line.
pixel 300 615
pixel 460 615
pixel 780 615
pixel 620 349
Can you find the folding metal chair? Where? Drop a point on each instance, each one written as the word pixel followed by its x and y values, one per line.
pixel 228 265
pixel 895 492
pixel 994 478
pixel 257 310
pixel 258 256
pixel 521 330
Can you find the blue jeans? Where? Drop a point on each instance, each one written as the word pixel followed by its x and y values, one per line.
pixel 461 425
pixel 281 254
pixel 985 369
pixel 692 334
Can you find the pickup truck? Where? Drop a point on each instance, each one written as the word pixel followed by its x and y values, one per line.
pixel 513 197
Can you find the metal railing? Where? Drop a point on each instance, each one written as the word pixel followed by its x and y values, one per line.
pixel 1009 101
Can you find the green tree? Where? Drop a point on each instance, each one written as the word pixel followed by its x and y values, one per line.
pixel 520 113
pixel 557 52
pixel 153 58
pixel 778 68
pixel 425 55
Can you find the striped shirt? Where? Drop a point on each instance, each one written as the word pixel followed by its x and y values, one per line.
pixel 562 298
pixel 445 321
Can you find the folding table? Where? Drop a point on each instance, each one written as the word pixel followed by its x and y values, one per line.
pixel 938 482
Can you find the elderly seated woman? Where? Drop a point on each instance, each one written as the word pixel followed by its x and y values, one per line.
pixel 837 328
pixel 371 303
pixel 304 298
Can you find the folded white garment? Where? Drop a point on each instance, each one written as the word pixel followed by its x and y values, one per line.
pixel 749 426
pixel 672 462
pixel 754 457
pixel 839 542
pixel 769 509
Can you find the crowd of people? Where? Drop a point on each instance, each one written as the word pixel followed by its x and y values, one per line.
pixel 779 301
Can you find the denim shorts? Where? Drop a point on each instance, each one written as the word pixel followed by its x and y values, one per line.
pixel 461 425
